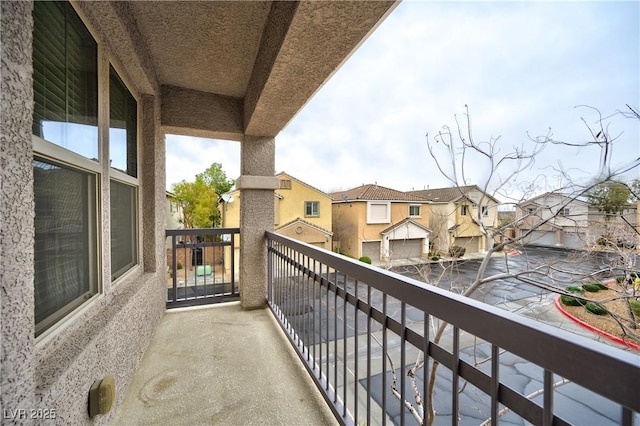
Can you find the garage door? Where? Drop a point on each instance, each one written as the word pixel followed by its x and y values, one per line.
pixel 371 249
pixel 469 243
pixel 542 238
pixel 574 240
pixel 404 249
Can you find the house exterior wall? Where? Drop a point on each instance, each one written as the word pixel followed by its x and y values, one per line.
pixel 350 223
pixel 446 215
pixel 109 333
pixel 580 228
pixel 292 204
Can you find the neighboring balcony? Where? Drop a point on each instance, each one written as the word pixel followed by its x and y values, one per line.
pixel 362 333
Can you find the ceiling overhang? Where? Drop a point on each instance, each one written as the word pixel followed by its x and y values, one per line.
pixel 229 69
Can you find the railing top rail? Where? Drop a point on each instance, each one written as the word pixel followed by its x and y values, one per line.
pixel 201 231
pixel 554 349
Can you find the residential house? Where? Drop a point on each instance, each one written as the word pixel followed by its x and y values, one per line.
pixel 455 216
pixel 554 219
pixel 301 212
pixel 380 223
pixel 89 90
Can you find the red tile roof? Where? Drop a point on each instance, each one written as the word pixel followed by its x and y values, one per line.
pixel 374 192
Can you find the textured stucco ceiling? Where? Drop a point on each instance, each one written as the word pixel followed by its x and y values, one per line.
pixel 226 69
pixel 208 46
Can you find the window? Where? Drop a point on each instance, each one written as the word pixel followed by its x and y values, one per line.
pixel 414 210
pixel 312 208
pixel 563 212
pixel 123 150
pixel 285 184
pixel 65 79
pixel 124 228
pixel 378 212
pixel 464 209
pixel 123 127
pixel 66 272
pixel 485 211
pixel 68 168
pixel 65 94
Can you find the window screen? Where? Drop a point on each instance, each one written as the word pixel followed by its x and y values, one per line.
pixel 65 240
pixel 124 228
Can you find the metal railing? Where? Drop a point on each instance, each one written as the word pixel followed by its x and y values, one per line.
pixel 361 331
pixel 201 266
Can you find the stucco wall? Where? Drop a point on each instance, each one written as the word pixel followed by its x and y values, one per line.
pixel 292 204
pixel 350 223
pixel 16 209
pixel 109 334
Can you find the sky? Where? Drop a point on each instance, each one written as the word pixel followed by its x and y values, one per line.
pixel 524 69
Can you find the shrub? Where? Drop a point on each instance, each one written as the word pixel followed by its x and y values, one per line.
pixel 457 251
pixel 569 301
pixel 595 309
pixel 365 259
pixel 592 288
pixel 179 265
pixel 435 258
pixel 635 307
pixel 576 290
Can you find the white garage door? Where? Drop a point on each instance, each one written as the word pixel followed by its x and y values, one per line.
pixel 574 240
pixel 404 249
pixel 469 243
pixel 542 238
pixel 371 249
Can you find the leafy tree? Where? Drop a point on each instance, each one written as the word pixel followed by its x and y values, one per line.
pixel 609 197
pixel 199 199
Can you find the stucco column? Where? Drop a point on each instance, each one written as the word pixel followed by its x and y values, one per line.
pixel 16 211
pixel 256 184
pixel 153 178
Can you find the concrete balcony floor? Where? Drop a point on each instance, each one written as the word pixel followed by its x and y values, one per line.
pixel 221 364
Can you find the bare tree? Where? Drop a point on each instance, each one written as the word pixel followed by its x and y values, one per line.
pixel 455 152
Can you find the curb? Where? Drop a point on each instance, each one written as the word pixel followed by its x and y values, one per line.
pixel 596 330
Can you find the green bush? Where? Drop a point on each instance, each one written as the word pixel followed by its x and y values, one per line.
pixel 435 258
pixel 569 301
pixel 457 251
pixel 365 259
pixel 576 290
pixel 592 288
pixel 635 307
pixel 179 265
pixel 595 309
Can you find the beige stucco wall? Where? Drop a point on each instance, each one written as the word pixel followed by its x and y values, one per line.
pixel 292 204
pixel 289 205
pixel 350 223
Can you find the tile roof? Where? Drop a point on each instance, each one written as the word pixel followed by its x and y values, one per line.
pixel 440 195
pixel 402 222
pixel 300 220
pixel 374 192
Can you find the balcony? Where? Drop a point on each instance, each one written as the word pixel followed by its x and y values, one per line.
pixel 360 332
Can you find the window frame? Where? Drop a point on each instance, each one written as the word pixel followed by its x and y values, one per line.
pixel 372 220
pixel 103 175
pixel 484 210
pixel 311 204
pixel 464 209
pixel 419 207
